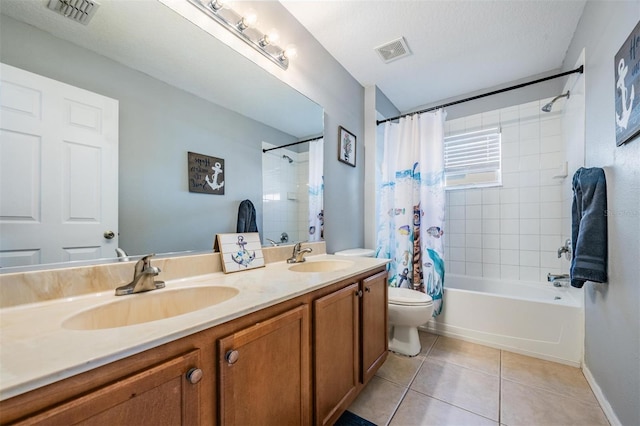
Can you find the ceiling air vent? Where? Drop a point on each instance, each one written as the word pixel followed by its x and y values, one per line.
pixel 77 10
pixel 393 50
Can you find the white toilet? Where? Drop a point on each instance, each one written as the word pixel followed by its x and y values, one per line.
pixel 408 309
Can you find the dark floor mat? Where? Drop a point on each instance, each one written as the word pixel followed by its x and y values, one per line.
pixel 350 419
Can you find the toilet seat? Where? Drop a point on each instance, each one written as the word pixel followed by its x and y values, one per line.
pixel 408 297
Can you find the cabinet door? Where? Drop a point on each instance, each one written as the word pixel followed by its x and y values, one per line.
pixel 336 342
pixel 162 394
pixel 265 372
pixel 374 324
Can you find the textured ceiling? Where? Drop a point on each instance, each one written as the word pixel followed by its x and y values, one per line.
pixel 458 46
pixel 150 37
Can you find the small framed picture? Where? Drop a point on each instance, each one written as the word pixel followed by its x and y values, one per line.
pixel 346 146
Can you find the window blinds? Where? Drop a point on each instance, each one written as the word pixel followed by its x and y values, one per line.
pixel 473 159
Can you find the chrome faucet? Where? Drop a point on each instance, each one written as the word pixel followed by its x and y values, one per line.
pixel 142 278
pixel 566 248
pixel 558 280
pixel 298 254
pixel 122 255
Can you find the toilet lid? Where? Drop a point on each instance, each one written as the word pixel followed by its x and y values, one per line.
pixel 406 296
pixel 357 252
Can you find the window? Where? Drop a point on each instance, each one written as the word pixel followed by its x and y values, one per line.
pixel 473 159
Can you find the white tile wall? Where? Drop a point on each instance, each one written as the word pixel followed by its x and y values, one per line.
pixel 285 201
pixel 512 231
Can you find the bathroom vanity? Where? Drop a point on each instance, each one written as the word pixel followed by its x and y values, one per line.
pixel 291 347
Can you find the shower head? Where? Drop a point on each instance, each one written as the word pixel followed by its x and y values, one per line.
pixel 547 107
pixel 288 158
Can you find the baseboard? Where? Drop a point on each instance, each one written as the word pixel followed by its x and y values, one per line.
pixel 604 403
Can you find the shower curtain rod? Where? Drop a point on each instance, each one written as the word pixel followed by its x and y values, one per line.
pixel 292 143
pixel 580 70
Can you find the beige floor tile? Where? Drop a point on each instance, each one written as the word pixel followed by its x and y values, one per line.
pixel 419 409
pixel 466 388
pixel 467 354
pixel 559 378
pixel 400 369
pixel 525 405
pixel 378 401
pixel 426 341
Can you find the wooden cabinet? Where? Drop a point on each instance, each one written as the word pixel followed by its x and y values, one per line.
pixel 374 336
pixel 350 343
pixel 264 372
pixel 161 394
pixel 298 362
pixel 336 338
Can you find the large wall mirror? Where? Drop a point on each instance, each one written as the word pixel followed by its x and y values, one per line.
pixel 179 90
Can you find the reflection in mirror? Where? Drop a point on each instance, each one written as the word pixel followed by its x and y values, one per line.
pixel 292 192
pixel 174 97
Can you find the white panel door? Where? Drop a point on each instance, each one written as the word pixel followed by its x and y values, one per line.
pixel 58 171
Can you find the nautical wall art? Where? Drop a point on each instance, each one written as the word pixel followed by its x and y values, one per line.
pixel 206 174
pixel 240 251
pixel 627 77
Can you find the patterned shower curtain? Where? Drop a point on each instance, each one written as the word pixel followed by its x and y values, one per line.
pixel 316 190
pixel 412 200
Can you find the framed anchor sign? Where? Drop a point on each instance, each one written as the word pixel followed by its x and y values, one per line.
pixel 627 80
pixel 206 174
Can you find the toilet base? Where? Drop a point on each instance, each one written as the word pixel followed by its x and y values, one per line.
pixel 404 340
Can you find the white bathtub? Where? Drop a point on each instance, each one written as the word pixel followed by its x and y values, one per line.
pixel 534 319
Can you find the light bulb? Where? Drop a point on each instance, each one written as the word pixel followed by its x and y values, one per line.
pixel 290 52
pixel 249 19
pixel 216 5
pixel 269 38
pixel 273 35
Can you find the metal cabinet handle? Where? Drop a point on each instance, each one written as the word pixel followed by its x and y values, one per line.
pixel 367 289
pixel 359 293
pixel 232 356
pixel 194 375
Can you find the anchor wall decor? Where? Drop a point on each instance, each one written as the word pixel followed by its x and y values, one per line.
pixel 627 78
pixel 205 174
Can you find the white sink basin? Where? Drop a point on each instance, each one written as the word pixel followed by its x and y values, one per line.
pixel 150 306
pixel 321 266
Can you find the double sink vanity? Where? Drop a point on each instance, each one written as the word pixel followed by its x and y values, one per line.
pixel 283 344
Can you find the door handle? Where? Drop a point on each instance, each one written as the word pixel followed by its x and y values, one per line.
pixel 109 235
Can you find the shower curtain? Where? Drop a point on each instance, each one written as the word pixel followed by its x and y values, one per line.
pixel 412 200
pixel 316 190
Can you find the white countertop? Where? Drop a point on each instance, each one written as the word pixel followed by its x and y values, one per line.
pixel 35 350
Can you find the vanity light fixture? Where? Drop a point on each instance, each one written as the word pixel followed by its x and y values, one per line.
pixel 243 26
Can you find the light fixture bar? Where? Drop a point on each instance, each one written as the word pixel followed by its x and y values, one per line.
pixel 214 8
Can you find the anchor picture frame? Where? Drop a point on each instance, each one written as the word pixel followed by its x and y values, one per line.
pixel 205 174
pixel 627 80
pixel 239 252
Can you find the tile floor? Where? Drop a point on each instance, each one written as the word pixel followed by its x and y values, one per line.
pixel 453 382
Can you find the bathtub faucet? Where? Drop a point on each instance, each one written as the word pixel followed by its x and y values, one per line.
pixel 566 248
pixel 558 280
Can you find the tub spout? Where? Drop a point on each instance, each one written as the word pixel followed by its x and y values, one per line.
pixel 558 280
